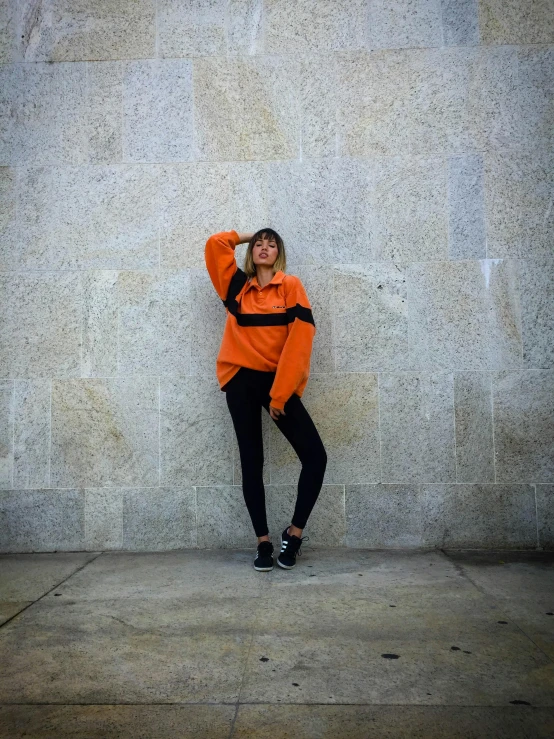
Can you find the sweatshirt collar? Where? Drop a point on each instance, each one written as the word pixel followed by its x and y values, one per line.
pixel 277 279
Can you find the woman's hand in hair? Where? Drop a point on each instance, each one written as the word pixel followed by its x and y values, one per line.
pixel 245 238
pixel 275 412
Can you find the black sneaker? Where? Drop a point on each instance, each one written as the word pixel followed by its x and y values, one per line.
pixel 290 547
pixel 264 558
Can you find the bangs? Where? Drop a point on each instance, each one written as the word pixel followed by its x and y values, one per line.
pixel 268 233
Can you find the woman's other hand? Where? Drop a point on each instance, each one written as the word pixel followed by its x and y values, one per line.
pixel 275 412
pixel 245 237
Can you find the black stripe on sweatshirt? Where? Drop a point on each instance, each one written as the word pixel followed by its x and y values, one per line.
pixel 262 319
pixel 272 319
pixel 235 286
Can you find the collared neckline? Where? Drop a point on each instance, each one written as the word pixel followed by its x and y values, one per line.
pixel 277 279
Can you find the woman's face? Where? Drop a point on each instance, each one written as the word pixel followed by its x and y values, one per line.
pixel 265 251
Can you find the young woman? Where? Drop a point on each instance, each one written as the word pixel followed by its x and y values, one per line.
pixel 264 360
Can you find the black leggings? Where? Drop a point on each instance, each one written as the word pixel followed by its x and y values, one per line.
pixel 246 393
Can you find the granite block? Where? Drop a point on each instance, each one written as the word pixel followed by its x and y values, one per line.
pixel 31 433
pixel 40 334
pixel 479 516
pixel 195 432
pixel 42 520
pixel 523 407
pixel 416 413
pixel 105 432
pixel 515 22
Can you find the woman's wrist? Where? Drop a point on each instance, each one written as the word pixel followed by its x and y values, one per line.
pixel 245 237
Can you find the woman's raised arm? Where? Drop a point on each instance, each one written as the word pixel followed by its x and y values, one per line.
pixel 219 254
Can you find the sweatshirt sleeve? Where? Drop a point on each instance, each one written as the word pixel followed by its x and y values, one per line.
pixel 294 363
pixel 220 260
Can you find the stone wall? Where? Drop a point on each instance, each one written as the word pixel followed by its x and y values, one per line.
pixel 404 150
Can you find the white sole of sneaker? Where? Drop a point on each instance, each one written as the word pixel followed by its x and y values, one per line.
pixel 285 567
pixel 263 569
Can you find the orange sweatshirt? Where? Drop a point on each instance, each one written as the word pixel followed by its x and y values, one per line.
pixel 268 328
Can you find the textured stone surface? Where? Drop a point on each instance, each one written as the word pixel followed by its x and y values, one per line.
pixel 474 428
pixel 109 218
pixel 432 515
pixel 116 575
pixel 530 578
pixel 7 413
pixel 122 722
pixel 171 628
pixel 30 576
pixel 378 722
pixel 466 217
pixel 105 432
pixel 383 516
pixel 459 516
pixel 8 214
pixel 536 78
pixel 195 197
pixel 31 433
pixel 409 214
pixel 40 332
pixel 155 317
pixel 524 425
pixel 423 102
pixel 536 286
pixel 400 23
pixel 97 217
pixel 207 323
pixel 193 654
pixel 460 22
pixel 525 179
pixel 105 125
pixel 7 33
pixel 305 25
pixel 187 28
pixel 514 22
pixel 103 518
pixel 54 30
pixel 319 75
pixel 371 317
pixel 157 110
pixel 273 721
pixel 464 315
pixel 416 413
pixel 245 26
pixel 100 323
pixel 196 445
pixel 156 519
pixel 246 108
pixel 45 113
pixel 9 610
pixel 545 515
pixel 42 520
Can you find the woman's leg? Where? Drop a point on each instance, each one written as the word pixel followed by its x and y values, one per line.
pixel 299 429
pixel 246 411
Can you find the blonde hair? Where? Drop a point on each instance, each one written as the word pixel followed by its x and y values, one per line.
pixel 281 260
